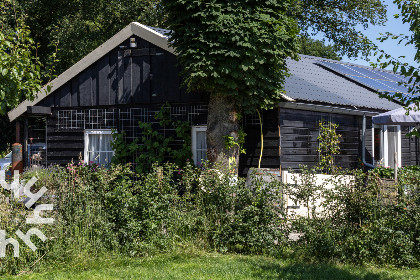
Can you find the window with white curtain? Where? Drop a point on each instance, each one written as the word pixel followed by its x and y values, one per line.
pixel 98 147
pixel 198 144
pixel 386 145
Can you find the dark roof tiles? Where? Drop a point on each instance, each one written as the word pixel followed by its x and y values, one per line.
pixel 311 82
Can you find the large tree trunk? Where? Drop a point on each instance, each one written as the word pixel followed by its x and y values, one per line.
pixel 222 121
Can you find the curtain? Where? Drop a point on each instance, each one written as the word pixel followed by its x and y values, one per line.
pixel 392 144
pixel 99 149
pixel 201 147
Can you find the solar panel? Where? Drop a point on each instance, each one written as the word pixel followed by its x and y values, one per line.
pixel 396 86
pixel 367 73
pixel 389 76
pixel 375 84
pixel 373 78
pixel 340 68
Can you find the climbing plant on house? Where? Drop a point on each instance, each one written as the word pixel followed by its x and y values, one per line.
pixel 154 146
pixel 328 146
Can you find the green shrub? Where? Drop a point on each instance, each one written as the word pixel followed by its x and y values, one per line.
pixel 112 210
pixel 383 172
pixel 359 225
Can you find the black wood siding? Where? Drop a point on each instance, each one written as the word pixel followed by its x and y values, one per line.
pixel 125 77
pixel 63 147
pixel 270 158
pixel 410 153
pixel 299 143
pixel 66 127
pixel 299 132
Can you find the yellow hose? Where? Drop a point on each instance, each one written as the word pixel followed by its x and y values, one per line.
pixel 262 140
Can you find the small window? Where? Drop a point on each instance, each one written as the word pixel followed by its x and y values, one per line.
pixel 387 144
pixel 198 144
pixel 98 147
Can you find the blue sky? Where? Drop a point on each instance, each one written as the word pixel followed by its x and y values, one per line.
pixel 394 26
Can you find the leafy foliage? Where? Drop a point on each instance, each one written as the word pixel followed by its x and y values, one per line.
pixel 359 223
pixel 328 146
pixel 20 76
pixel 230 142
pixel 337 21
pixel 154 146
pixel 383 172
pixel 108 211
pixel 234 48
pixel 318 48
pixel 78 27
pixel 409 15
pixel 101 211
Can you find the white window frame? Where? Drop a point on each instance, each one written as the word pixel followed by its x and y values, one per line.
pixel 194 130
pixel 384 143
pixel 91 132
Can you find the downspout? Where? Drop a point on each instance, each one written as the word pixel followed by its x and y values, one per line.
pixel 363 143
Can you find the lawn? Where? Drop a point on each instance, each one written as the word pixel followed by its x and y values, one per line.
pixel 215 266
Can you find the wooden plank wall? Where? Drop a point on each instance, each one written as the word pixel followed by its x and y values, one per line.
pixel 119 78
pixel 299 143
pixel 63 147
pixel 271 158
pixel 368 142
pixel 410 153
pixel 65 128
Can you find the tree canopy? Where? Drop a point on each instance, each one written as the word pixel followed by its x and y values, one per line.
pixel 409 14
pixel 75 28
pixel 234 48
pixel 317 48
pixel 339 20
pixel 20 76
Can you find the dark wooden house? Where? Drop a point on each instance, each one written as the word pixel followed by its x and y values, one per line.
pixel 129 77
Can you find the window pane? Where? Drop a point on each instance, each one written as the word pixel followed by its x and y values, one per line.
pixel 392 144
pixel 99 149
pixel 105 143
pixel 201 140
pixel 201 147
pixel 201 156
pixel 94 140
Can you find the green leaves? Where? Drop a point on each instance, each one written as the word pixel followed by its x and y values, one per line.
pixel 19 69
pixel 409 14
pixel 155 146
pixel 328 146
pixel 234 48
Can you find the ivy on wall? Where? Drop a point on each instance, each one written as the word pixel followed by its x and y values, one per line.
pixel 328 146
pixel 154 146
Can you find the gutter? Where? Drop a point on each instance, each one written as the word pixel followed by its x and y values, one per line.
pixel 363 144
pixel 326 109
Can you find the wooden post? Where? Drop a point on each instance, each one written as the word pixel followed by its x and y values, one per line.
pixel 46 142
pixel 278 125
pixel 25 142
pixel 17 162
pixel 159 173
pixel 395 167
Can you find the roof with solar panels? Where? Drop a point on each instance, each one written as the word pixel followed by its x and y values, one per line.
pixel 313 79
pixel 340 83
pixel 322 80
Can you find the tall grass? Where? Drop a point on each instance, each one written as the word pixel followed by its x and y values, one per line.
pixel 101 211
